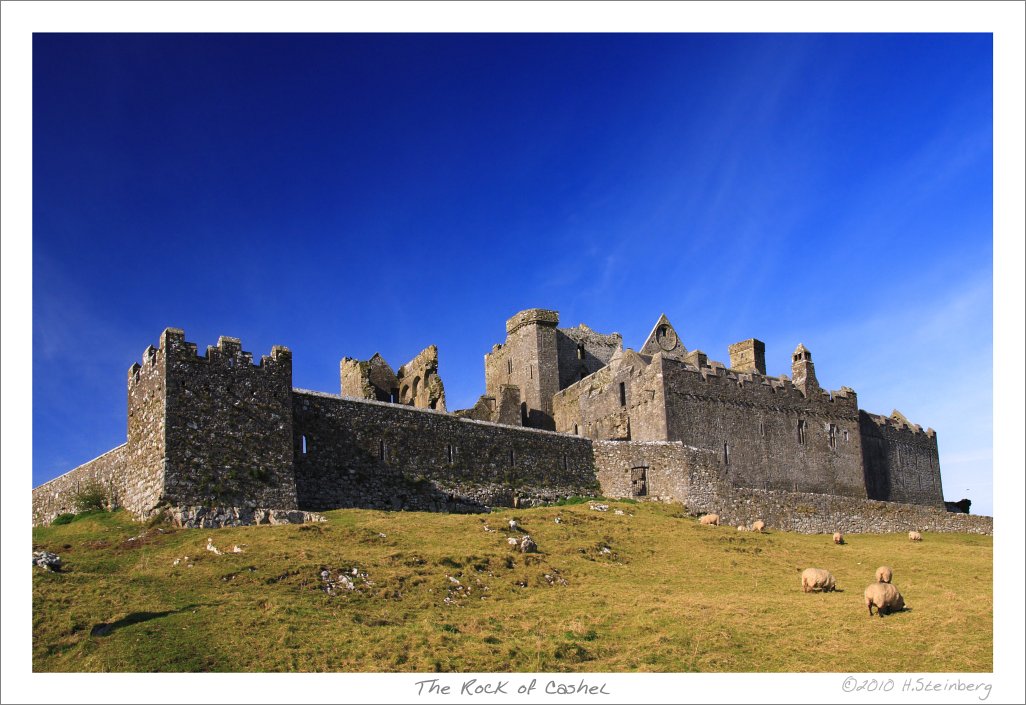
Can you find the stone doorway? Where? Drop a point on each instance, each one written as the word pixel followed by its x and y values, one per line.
pixel 639 481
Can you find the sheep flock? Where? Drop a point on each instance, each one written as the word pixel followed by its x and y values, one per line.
pixel 881 593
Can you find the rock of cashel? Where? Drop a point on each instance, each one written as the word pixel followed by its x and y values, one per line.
pixel 216 439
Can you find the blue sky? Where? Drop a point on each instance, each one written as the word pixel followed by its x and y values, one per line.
pixel 347 194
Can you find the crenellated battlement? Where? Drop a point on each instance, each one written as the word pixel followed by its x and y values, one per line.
pixel 897 421
pixel 227 353
pixel 540 316
pixel 716 374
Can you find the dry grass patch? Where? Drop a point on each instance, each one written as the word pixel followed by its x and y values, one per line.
pixel 647 590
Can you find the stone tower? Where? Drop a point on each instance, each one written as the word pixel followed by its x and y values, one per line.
pixel 212 430
pixel 528 360
pixel 748 356
pixel 803 372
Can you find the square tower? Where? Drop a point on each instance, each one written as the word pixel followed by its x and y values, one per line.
pixel 748 356
pixel 529 360
pixel 210 430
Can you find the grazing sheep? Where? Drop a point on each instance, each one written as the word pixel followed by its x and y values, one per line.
pixel 758 526
pixel 883 574
pixel 838 538
pixel 742 527
pixel 710 519
pixel 915 536
pixel 885 597
pixel 817 579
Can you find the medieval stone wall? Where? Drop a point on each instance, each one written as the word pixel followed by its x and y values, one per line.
pixel 649 469
pixel 228 426
pixel 354 453
pixel 695 478
pixel 146 449
pixel 901 460
pixel 770 435
pixel 622 401
pixel 809 513
pixel 59 494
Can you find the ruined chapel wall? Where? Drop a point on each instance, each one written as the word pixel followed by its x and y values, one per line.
pixel 59 494
pixel 754 422
pixel 901 462
pixel 581 352
pixel 228 427
pixel 368 379
pixel 367 454
pixel 419 382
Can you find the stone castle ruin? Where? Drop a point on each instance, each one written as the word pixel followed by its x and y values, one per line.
pixel 215 439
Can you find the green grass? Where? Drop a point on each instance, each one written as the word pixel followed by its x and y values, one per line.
pixel 648 590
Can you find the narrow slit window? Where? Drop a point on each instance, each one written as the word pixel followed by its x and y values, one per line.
pixel 449 452
pixel 566 462
pixel 832 436
pixel 762 428
pixel 801 432
pixel 381 450
pixel 580 351
pixel 845 433
pixel 304 444
pixel 726 454
pixel 577 431
pixel 509 366
pixel 530 371
pixel 623 394
pixel 512 458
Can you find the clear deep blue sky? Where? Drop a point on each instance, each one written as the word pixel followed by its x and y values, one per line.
pixel 346 194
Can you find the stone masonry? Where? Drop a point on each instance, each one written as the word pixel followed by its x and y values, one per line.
pixel 215 439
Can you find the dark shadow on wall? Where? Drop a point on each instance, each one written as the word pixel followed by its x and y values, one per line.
pixel 368 482
pixel 875 463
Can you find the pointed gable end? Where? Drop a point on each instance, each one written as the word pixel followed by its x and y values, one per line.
pixel 664 339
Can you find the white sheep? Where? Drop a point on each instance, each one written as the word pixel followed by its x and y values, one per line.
pixel 742 527
pixel 758 525
pixel 915 536
pixel 838 538
pixel 710 520
pixel 817 579
pixel 883 574
pixel 885 597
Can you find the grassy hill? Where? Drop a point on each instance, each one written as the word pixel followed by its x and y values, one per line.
pixel 646 590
